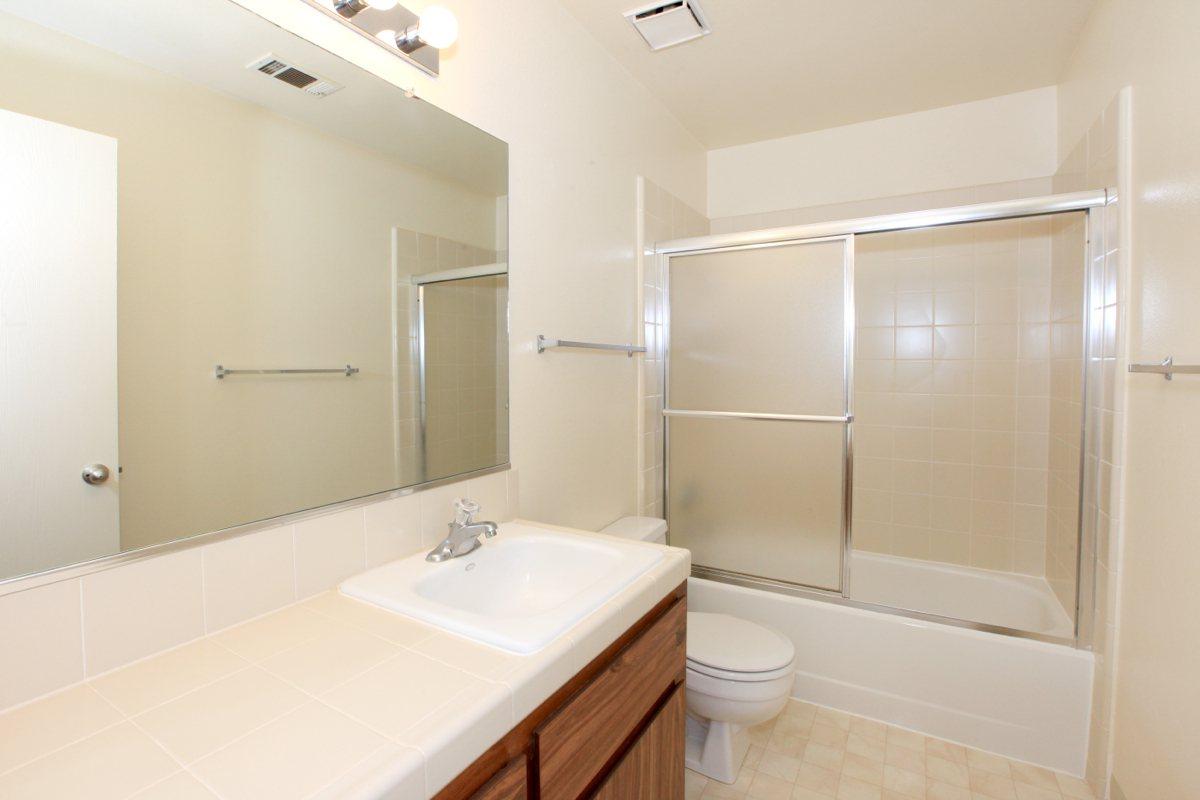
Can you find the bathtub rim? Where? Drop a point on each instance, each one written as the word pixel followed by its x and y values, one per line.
pixel 837 598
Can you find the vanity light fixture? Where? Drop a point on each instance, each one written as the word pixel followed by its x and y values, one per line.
pixel 418 38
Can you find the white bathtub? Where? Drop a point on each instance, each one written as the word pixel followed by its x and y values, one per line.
pixel 1014 601
pixel 1024 699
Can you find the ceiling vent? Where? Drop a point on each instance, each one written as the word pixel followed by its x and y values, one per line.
pixel 294 76
pixel 667 24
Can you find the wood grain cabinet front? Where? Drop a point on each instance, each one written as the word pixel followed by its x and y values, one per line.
pixel 614 731
pixel 510 783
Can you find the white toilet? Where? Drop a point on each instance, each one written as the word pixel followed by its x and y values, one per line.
pixel 739 673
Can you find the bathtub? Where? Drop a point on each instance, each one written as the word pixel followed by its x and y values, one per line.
pixel 1021 602
pixel 1024 699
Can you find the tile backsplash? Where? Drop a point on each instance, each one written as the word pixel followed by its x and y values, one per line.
pixel 65 632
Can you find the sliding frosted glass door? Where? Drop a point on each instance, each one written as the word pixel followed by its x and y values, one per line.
pixel 757 410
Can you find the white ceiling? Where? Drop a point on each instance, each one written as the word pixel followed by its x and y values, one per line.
pixel 774 68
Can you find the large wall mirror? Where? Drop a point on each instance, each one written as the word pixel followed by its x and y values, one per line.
pixel 239 278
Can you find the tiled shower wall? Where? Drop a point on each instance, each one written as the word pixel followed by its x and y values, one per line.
pixel 661 216
pixel 952 384
pixel 1101 160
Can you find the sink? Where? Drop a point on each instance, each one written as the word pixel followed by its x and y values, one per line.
pixel 519 591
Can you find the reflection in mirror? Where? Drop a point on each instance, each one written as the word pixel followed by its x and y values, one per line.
pixel 175 199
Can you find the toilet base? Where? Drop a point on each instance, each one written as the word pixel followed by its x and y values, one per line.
pixel 716 749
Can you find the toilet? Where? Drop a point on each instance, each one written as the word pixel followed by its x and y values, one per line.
pixel 739 673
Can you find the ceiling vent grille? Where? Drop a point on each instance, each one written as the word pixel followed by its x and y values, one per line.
pixel 294 76
pixel 667 24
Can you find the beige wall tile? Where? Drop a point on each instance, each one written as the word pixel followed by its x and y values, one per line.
pixel 43 646
pixel 248 576
pixel 137 610
pixel 392 529
pixel 329 549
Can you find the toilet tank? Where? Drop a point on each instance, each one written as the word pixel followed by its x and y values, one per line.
pixel 647 529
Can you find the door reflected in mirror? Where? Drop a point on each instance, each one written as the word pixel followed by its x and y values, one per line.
pixel 168 208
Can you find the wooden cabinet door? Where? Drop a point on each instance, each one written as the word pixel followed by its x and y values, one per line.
pixel 508 784
pixel 579 740
pixel 653 767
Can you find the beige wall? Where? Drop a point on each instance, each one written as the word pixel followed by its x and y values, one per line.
pixel 580 129
pixel 997 140
pixel 221 263
pixel 1152 48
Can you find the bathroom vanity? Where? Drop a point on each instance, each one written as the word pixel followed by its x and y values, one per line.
pixel 615 730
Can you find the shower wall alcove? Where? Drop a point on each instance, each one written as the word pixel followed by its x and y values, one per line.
pixel 888 412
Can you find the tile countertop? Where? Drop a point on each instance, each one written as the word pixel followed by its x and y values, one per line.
pixel 326 698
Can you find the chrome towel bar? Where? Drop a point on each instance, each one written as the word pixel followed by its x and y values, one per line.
pixel 1167 368
pixel 220 372
pixel 544 342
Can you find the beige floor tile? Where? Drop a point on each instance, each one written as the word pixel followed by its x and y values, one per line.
pixel 1026 792
pixel 818 780
pixel 868 729
pixel 801 709
pixel 1033 776
pixel 828 735
pixel 180 786
pixel 760 734
pixel 989 784
pixel 863 768
pixel 939 790
pixel 903 782
pixel 853 789
pixel 946 771
pixel 779 766
pixel 331 659
pixel 209 718
pixel 164 677
pixel 42 726
pixel 753 755
pixel 1073 787
pixel 838 719
pixel 907 739
pixel 737 789
pixel 998 765
pixel 793 725
pixel 904 758
pixel 947 750
pixel 788 744
pixel 800 793
pixel 114 763
pixel 860 745
pixel 283 760
pixel 693 784
pixel 824 756
pixel 768 787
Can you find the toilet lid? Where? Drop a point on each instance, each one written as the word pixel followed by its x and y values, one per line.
pixel 731 644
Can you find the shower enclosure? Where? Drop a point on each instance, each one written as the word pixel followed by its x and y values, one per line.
pixel 889 412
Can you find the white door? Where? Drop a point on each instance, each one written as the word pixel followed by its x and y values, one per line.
pixel 58 344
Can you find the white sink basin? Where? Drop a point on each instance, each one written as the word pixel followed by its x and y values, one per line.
pixel 519 591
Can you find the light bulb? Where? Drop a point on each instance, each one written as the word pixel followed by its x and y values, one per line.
pixel 387 36
pixel 382 5
pixel 438 27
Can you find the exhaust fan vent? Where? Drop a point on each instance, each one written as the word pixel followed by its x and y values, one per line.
pixel 294 76
pixel 667 24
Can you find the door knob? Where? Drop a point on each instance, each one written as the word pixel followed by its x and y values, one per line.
pixel 95 474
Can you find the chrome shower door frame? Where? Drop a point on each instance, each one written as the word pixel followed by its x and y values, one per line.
pixel 1091 202
pixel 846 419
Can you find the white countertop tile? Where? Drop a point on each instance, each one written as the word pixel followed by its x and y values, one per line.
pixel 327 698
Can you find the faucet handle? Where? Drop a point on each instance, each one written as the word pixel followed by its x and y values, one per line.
pixel 465 510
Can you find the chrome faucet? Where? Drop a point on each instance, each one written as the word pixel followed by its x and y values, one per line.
pixel 464 532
